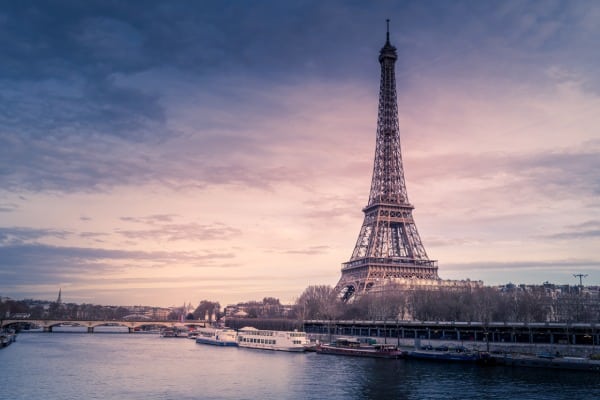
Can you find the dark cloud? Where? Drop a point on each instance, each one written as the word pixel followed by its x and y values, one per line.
pixel 20 235
pixel 39 263
pixel 93 235
pixel 18 255
pixel 57 78
pixel 68 164
pixel 267 38
pixel 85 86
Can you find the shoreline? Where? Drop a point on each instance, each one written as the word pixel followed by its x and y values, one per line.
pixel 568 350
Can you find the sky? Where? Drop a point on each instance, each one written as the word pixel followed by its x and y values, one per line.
pixel 166 152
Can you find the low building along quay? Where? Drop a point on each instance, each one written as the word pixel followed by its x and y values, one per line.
pixel 495 335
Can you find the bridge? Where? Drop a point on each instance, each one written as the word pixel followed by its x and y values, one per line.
pixel 48 324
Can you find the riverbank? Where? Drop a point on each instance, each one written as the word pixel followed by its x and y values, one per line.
pixel 564 350
pixel 557 357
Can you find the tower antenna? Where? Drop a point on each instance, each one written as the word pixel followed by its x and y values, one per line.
pixel 388 30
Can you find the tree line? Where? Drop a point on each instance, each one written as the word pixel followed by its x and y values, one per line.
pixel 484 304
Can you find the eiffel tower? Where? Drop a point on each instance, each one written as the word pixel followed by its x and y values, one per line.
pixel 388 245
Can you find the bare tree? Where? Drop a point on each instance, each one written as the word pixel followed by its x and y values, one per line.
pixel 318 302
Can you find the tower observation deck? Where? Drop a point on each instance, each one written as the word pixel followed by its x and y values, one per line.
pixel 388 246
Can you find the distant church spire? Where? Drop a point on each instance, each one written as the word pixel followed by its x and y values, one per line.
pixel 59 299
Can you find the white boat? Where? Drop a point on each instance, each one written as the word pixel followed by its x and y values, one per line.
pixel 217 337
pixel 272 340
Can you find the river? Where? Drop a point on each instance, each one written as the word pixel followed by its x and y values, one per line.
pixel 146 366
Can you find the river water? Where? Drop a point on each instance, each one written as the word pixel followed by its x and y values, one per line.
pixel 146 366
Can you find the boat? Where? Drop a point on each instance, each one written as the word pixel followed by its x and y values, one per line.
pixel 353 347
pixel 443 353
pixel 7 338
pixel 217 337
pixel 272 340
pixel 311 346
pixel 173 333
pixel 153 331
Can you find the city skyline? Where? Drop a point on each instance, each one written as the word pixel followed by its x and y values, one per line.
pixel 224 151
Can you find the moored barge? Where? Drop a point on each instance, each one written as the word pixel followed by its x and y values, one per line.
pixel 352 347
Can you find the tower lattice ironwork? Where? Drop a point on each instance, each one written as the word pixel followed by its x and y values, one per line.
pixel 388 244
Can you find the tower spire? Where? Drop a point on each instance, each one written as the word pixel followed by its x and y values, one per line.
pixel 388 245
pixel 387 35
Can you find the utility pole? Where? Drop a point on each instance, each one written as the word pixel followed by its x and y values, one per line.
pixel 579 295
pixel 580 276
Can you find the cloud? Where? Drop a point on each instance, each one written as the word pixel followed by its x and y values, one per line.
pixel 96 236
pixel 259 154
pixel 164 228
pixel 89 103
pixel 68 164
pixel 76 107
pixel 40 263
pixel 188 231
pixel 151 219
pixel 21 235
pixel 453 241
pixel 310 250
pixel 585 230
pixel 8 207
pixel 551 175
